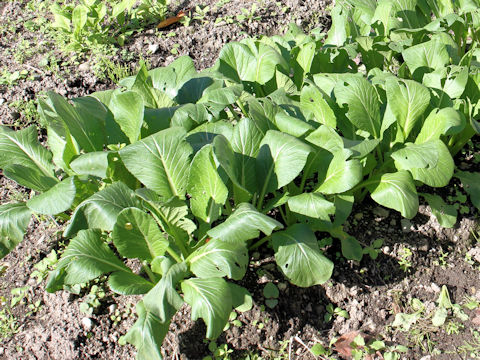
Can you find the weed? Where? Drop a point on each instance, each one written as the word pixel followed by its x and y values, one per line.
pixel 332 312
pixel 8 322
pixel 405 260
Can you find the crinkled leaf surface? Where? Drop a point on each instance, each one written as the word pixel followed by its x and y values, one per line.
pixel 298 255
pixel 205 186
pixel 396 191
pixel 160 162
pixel 244 224
pixel 14 220
pixel 219 258
pixel 137 235
pixel 210 300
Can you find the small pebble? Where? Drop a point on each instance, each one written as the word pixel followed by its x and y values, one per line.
pixel 153 48
pixel 435 287
pixel 87 323
pixel 85 67
pixel 112 308
pixel 406 225
pixel 2 100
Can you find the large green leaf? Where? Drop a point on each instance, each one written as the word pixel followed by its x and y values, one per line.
pixel 363 104
pixel 24 160
pixel 312 205
pixel 211 300
pixel 56 200
pixel 429 162
pixel 244 224
pixel 408 100
pixel 445 214
pixel 326 138
pixel 205 133
pixel 237 62
pixel 298 255
pixel 312 102
pixel 205 186
pixel 267 59
pixel 129 283
pixel 160 162
pixel 128 108
pixel 280 159
pixel 430 55
pixel 14 219
pixel 396 191
pixel 147 334
pixel 136 235
pixel 163 300
pixel 233 165
pixel 88 132
pixel 342 174
pixel 87 257
pixel 93 163
pixel 245 142
pixel 441 122
pixel 101 209
pixel 471 184
pixel 219 258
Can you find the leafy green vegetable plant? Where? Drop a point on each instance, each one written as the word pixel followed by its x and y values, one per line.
pixel 185 172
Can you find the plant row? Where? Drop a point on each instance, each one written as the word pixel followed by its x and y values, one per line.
pixel 185 172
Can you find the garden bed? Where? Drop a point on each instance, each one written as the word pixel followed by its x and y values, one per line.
pixel 416 257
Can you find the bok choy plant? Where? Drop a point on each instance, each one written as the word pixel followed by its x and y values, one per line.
pixel 185 172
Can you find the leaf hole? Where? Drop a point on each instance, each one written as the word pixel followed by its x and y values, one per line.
pixel 311 100
pixel 286 266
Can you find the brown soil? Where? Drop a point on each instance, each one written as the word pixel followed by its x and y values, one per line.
pixel 371 291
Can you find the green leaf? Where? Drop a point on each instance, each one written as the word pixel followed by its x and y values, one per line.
pixel 233 165
pixel 193 89
pixel 79 18
pixel 136 235
pixel 441 122
pixel 292 125
pixel 326 138
pixel 241 298
pixel 396 191
pixel 300 259
pixel 312 102
pixel 246 139
pixel 163 300
pixel 88 132
pixel 14 220
pixel 445 214
pixel 407 100
pixel 351 248
pixel 147 334
pixel 128 111
pixel 218 258
pixel 93 163
pixel 432 55
pixel 237 62
pixel 244 224
pixel 337 35
pixel 129 283
pixel 280 160
pixel 206 188
pixel 267 59
pixel 164 162
pixel 24 160
pixel 471 184
pixel 363 104
pixel 101 209
pixel 56 200
pixel 205 133
pixel 270 291
pixel 311 205
pixel 429 162
pixel 342 174
pixel 211 300
pixel 87 257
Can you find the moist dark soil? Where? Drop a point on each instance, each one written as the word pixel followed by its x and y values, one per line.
pixel 416 259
